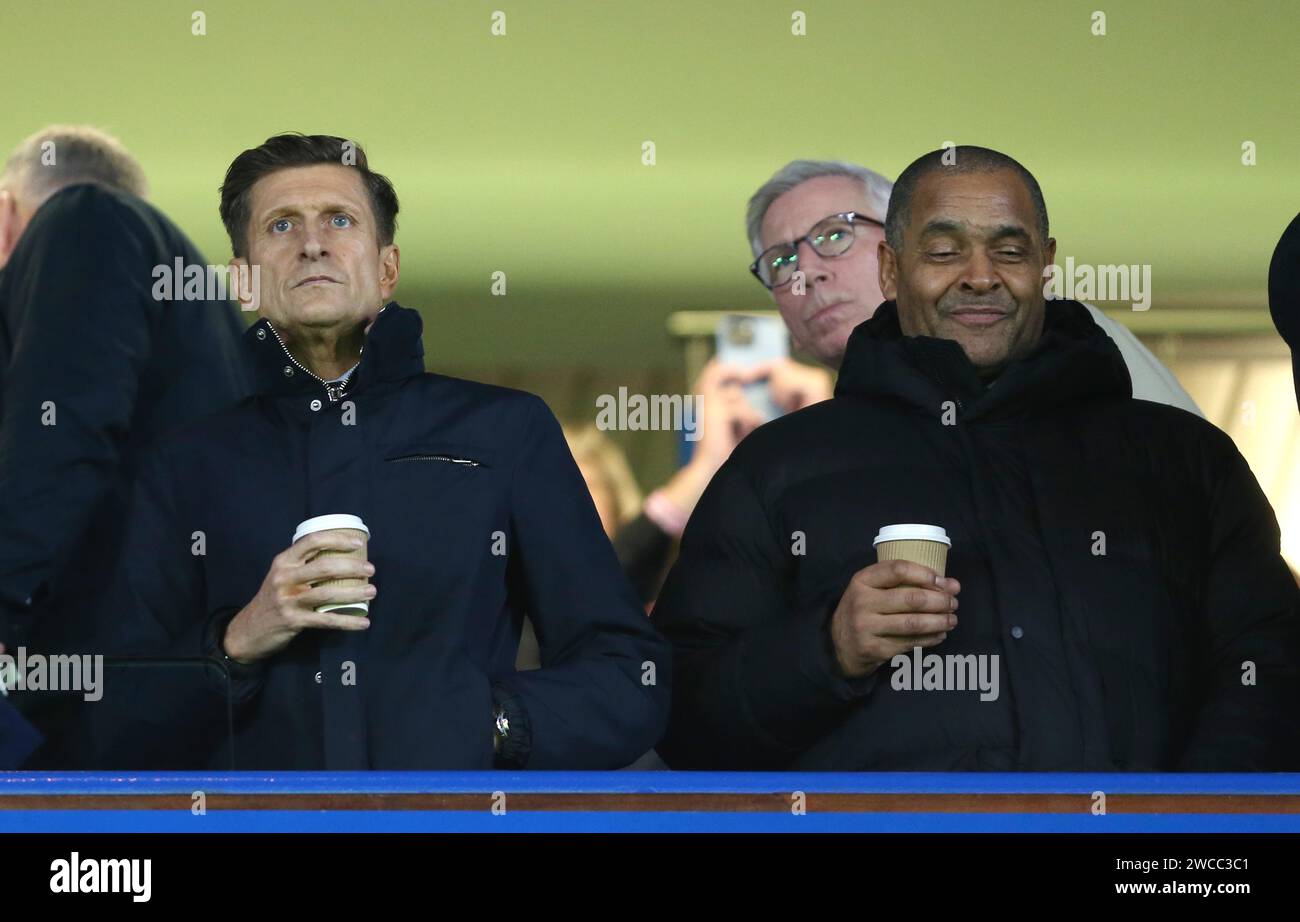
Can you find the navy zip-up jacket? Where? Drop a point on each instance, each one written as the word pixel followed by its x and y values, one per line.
pixel 478 516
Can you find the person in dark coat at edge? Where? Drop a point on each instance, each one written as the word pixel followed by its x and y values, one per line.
pixel 1284 294
pixel 476 511
pixel 1284 302
pixel 1123 602
pixel 93 367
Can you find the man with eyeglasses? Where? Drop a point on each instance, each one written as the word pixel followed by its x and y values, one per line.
pixel 1123 602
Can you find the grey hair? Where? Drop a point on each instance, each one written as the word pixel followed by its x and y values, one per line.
pixel 795 172
pixel 61 155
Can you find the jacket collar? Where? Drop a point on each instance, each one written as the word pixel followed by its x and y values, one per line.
pixel 393 351
pixel 1073 359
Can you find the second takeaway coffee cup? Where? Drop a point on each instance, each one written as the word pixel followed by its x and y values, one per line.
pixel 330 523
pixel 924 544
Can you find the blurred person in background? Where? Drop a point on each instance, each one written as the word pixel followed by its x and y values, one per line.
pixel 608 476
pixel 93 368
pixel 645 532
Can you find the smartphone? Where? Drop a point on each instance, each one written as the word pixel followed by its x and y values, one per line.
pixel 746 341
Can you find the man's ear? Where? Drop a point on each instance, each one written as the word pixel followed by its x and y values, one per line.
pixel 888 271
pixel 1049 251
pixel 389 267
pixel 244 283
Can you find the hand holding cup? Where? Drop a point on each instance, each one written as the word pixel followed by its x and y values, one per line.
pixel 319 581
pixel 896 603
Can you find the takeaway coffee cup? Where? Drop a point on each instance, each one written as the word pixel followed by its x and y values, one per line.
pixel 330 523
pixel 924 544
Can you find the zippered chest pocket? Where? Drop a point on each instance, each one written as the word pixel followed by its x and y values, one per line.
pixel 444 458
pixel 437 454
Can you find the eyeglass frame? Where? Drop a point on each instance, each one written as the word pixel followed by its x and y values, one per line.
pixel 853 218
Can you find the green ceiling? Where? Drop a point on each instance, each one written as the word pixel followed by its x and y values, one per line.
pixel 522 152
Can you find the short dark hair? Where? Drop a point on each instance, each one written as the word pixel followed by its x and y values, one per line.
pixel 965 159
pixel 290 150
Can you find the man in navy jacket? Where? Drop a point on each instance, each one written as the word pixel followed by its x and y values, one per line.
pixel 477 514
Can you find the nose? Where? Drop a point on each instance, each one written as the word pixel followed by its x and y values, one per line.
pixel 313 243
pixel 979 275
pixel 815 266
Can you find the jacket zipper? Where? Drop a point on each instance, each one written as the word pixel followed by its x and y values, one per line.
pixel 467 461
pixel 334 392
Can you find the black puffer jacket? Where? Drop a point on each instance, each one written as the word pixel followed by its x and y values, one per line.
pixel 1176 649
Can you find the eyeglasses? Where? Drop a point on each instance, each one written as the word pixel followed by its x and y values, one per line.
pixel 831 236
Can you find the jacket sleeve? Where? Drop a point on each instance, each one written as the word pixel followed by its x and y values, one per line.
pixel 1251 619
pixel 756 680
pixel 600 698
pixel 643 550
pixel 171 704
pixel 82 330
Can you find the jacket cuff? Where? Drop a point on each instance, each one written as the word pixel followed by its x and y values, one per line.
pixel 793 690
pixel 819 660
pixel 245 679
pixel 518 745
pixel 798 658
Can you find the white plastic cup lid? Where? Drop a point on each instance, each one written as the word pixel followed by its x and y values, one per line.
pixel 912 532
pixel 326 522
